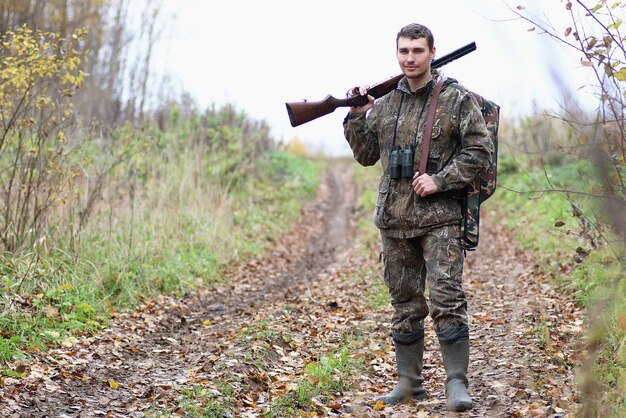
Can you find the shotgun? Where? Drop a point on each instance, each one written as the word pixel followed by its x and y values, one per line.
pixel 304 111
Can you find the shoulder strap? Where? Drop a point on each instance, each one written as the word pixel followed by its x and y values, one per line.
pixel 430 120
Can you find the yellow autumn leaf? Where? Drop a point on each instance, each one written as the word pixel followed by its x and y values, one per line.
pixel 380 405
pixel 206 322
pixel 113 384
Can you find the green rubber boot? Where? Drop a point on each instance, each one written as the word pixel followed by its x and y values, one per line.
pixel 456 362
pixel 409 363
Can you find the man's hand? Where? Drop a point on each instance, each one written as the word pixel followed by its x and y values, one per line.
pixel 424 185
pixel 362 90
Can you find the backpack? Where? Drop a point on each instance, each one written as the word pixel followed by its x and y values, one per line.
pixel 484 186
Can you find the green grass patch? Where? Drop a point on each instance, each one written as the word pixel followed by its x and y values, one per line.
pixel 260 331
pixel 55 310
pixel 378 294
pixel 199 401
pixel 532 210
pixel 543 223
pixel 324 378
pixel 268 203
pixel 173 238
pixel 368 236
pixel 366 179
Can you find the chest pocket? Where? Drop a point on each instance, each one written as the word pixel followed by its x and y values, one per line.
pixel 435 152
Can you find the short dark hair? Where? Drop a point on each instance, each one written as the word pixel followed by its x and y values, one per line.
pixel 416 31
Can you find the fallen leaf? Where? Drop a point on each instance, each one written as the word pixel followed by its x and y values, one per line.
pixel 379 406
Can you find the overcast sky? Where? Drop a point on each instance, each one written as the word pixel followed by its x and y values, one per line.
pixel 258 55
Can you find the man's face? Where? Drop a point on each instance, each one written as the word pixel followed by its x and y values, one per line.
pixel 414 57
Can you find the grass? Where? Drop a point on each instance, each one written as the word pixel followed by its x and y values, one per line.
pixel 366 179
pixel 542 331
pixel 199 401
pixel 328 375
pixel 368 235
pixel 173 237
pixel 53 312
pixel 260 331
pixel 323 379
pixel 543 223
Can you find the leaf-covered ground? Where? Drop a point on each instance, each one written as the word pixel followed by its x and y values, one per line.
pixel 303 331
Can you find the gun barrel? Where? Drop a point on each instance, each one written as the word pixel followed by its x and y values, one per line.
pixel 456 54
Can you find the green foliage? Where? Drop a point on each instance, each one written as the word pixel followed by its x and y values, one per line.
pixel 39 74
pixel 283 406
pixel 532 141
pixel 199 401
pixel 331 374
pixel 537 204
pixel 368 238
pixel 594 33
pixel 378 293
pixel 324 379
pixel 294 179
pixel 366 179
pixel 192 247
pixel 146 215
pixel 44 305
pixel 544 223
pixel 259 332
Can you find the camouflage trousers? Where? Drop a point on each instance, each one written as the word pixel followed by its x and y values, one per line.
pixel 434 259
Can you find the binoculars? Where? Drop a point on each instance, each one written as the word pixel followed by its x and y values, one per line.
pixel 401 162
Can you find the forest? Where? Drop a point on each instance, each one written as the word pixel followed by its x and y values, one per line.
pixel 158 258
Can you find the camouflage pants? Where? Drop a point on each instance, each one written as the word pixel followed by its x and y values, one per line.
pixel 434 259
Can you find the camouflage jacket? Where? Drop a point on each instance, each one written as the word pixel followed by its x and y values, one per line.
pixel 460 149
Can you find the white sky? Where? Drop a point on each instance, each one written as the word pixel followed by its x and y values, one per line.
pixel 258 55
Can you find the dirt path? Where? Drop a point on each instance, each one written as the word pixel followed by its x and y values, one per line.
pixel 241 348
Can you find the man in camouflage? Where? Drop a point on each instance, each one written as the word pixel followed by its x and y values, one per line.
pixel 419 217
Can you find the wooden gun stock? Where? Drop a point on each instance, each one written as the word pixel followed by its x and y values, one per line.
pixel 305 111
pixel 302 112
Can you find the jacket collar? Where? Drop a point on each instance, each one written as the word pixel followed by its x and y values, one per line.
pixel 403 84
